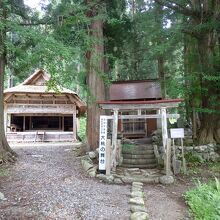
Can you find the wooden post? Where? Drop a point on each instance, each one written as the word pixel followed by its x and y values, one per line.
pixel 62 123
pixel 24 123
pixel 164 126
pixel 168 157
pixel 74 123
pixel 30 123
pixel 159 119
pixel 5 119
pixel 118 157
pixel 108 157
pixel 174 157
pixel 183 158
pixel 114 139
pixel 8 119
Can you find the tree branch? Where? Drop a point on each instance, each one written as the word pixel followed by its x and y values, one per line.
pixel 178 7
pixel 37 23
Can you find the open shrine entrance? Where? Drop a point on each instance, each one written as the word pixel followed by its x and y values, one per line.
pixel 136 127
pixel 41 122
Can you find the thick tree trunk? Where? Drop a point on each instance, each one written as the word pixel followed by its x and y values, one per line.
pixel 95 69
pixel 192 82
pixel 160 56
pixel 209 118
pixel 210 129
pixel 6 153
pixel 161 73
pixel 204 18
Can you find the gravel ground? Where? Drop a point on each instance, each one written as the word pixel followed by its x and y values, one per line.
pixel 166 203
pixel 47 182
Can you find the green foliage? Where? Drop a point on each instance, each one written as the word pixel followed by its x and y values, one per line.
pixel 215 167
pixel 82 128
pixel 193 159
pixel 127 146
pixel 204 201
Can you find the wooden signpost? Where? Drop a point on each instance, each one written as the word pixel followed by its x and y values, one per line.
pixel 102 143
pixel 178 133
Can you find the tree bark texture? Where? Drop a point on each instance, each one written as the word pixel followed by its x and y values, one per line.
pixel 95 83
pixel 6 153
pixel 160 56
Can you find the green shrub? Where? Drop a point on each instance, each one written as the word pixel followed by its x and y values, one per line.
pixel 126 146
pixel 193 159
pixel 204 201
pixel 82 128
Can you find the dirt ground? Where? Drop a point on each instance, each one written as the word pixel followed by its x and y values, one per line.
pixel 47 182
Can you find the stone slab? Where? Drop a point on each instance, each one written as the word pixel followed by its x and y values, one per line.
pixel 137 201
pixel 139 216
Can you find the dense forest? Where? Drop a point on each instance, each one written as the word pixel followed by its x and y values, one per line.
pixel 87 44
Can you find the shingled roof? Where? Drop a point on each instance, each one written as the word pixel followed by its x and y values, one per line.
pixel 36 84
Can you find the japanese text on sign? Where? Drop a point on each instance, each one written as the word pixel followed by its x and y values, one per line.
pixel 102 142
pixel 177 133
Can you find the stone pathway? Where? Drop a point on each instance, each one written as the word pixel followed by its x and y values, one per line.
pixel 137 205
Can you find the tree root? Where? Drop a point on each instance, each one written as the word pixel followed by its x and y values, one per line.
pixel 7 157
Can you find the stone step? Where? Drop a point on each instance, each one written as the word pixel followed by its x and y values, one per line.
pixel 139 156
pixel 137 152
pixel 139 161
pixel 142 140
pixel 139 147
pixel 142 179
pixel 142 166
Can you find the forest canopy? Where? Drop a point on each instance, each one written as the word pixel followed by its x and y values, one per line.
pixel 88 44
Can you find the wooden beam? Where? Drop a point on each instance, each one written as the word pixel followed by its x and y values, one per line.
pixel 147 116
pixel 40 108
pixel 143 116
pixel 140 106
pixel 7 97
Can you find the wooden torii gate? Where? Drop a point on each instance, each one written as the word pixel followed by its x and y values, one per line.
pixel 116 106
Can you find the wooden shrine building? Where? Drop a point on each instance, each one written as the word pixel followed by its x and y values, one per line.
pixel 34 113
pixel 136 109
pixel 129 92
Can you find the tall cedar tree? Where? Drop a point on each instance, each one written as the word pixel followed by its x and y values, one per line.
pixel 6 153
pixel 203 25
pixel 95 68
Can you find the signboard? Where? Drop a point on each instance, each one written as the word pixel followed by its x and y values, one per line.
pixel 177 132
pixel 102 142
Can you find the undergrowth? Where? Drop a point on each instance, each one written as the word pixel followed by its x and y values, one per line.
pixel 204 201
pixel 126 146
pixel 82 128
